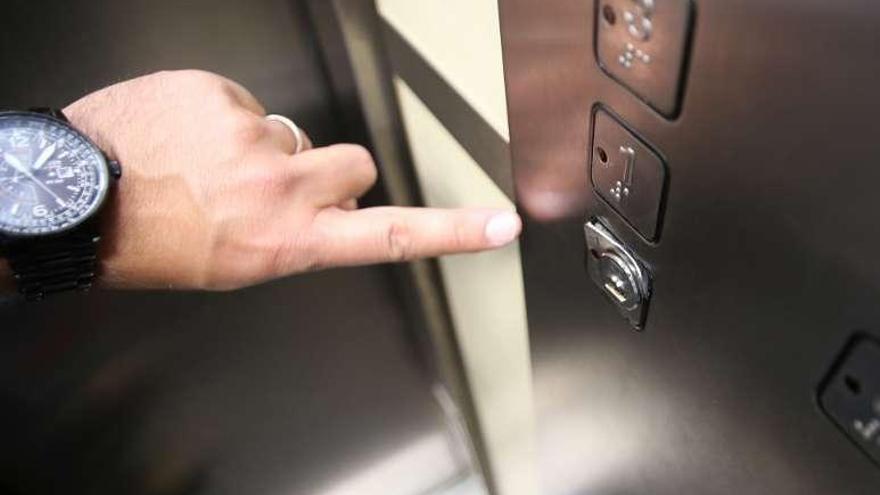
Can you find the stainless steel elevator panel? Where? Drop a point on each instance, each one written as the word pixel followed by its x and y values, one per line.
pixel 765 270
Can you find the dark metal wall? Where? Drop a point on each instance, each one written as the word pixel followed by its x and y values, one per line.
pixel 764 269
pixel 57 51
pixel 302 386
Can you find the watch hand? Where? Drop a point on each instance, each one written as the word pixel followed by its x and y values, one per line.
pixel 16 164
pixel 44 157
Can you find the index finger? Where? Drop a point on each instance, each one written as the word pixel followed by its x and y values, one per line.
pixel 394 234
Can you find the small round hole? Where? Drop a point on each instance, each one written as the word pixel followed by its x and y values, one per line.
pixel 609 14
pixel 603 155
pixel 853 384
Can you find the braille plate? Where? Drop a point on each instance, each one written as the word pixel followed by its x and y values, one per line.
pixel 628 174
pixel 643 44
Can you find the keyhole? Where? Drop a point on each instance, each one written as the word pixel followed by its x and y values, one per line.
pixel 853 384
pixel 603 155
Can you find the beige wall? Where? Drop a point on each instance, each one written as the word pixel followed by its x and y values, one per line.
pixel 461 40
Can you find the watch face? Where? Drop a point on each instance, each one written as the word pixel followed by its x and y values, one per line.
pixel 52 178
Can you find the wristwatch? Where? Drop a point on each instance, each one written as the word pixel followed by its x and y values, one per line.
pixel 54 182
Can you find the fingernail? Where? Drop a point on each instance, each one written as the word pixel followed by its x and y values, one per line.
pixel 503 228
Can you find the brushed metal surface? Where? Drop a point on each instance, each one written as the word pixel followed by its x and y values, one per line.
pixel 772 164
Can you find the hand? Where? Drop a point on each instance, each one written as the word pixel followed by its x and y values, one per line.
pixel 212 198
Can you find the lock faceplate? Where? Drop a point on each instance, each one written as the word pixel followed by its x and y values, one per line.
pixel 616 271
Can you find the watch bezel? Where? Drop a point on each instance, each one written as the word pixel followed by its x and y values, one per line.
pixel 104 185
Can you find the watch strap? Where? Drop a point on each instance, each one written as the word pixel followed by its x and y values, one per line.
pixel 46 266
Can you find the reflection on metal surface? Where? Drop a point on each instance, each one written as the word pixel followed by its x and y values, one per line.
pixel 593 452
pixel 411 470
pixel 552 201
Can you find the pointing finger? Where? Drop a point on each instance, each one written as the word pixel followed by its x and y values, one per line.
pixel 391 234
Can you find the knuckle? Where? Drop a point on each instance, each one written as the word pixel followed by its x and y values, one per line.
pixel 199 76
pixel 215 90
pixel 371 174
pixel 167 75
pixel 228 90
pixel 190 78
pixel 244 129
pixel 358 153
pixel 398 241
pixel 361 156
pixel 362 162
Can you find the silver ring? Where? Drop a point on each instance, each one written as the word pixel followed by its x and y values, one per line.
pixel 297 132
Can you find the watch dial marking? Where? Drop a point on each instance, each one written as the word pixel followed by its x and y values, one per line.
pixel 51 177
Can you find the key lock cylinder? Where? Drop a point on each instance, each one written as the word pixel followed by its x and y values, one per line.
pixel 622 278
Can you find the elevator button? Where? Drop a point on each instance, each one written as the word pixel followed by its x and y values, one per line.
pixel 628 174
pixel 643 44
